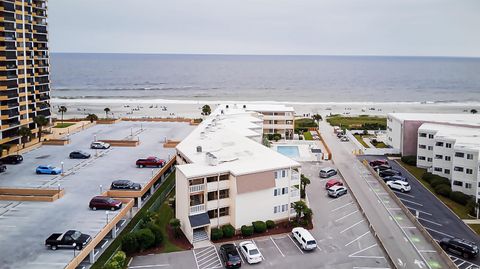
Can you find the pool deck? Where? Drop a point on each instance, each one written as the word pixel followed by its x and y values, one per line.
pixel 304 149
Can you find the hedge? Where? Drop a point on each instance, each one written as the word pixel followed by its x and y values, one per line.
pixel 443 190
pixel 157 232
pixel 118 261
pixel 247 230
pixel 410 160
pixel 259 226
pixel 459 197
pixel 439 181
pixel 216 234
pixel 270 224
pixel 228 231
pixel 145 238
pixel 129 243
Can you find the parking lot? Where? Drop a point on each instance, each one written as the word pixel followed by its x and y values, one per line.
pixel 437 219
pixel 24 226
pixel 342 234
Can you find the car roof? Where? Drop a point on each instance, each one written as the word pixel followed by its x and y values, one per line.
pixel 401 182
pixel 327 169
pixel 336 187
pixel 305 233
pixel 121 181
pixel 248 244
pixel 333 180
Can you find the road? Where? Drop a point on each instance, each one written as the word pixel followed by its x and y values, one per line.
pixel 406 246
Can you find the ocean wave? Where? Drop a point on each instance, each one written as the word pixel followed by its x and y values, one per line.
pixel 73 89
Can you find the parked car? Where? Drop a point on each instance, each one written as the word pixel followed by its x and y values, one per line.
pixel 250 252
pixel 389 172
pixel 327 172
pixel 393 178
pixel 336 191
pixel 333 182
pixel 230 256
pixel 78 154
pixel 48 169
pixel 69 239
pixel 344 139
pixel 104 202
pixel 99 145
pixel 12 159
pixel 460 247
pixel 382 167
pixel 125 185
pixel 150 161
pixel 340 134
pixel 3 168
pixel 378 162
pixel 304 238
pixel 399 185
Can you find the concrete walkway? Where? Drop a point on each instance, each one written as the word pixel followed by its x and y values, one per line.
pixel 471 221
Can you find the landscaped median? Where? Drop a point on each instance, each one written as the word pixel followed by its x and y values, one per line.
pixel 30 194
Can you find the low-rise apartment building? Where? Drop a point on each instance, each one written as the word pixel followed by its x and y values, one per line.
pixel 277 119
pixel 451 152
pixel 226 176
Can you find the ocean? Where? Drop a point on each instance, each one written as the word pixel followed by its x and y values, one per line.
pixel 307 79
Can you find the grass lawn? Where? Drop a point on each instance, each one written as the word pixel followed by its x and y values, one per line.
pixel 380 145
pixel 307 136
pixel 166 214
pixel 460 210
pixel 63 125
pixel 305 122
pixel 475 227
pixel 356 122
pixel 359 138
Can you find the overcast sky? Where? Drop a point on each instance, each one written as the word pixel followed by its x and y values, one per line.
pixel 320 27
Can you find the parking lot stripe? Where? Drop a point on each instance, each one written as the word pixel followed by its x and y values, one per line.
pixel 253 241
pixel 357 238
pixel 346 215
pixel 241 254
pixel 367 248
pixel 352 226
pixel 277 246
pixel 337 199
pixel 203 250
pixel 371 268
pixel 338 208
pixel 402 193
pixel 428 251
pixel 408 201
pixel 301 251
pixel 426 213
pixel 430 229
pixel 429 221
pixel 149 266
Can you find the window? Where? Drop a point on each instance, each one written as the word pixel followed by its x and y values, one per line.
pixel 438 157
pixel 439 144
pixel 280 174
pixel 469 156
pixel 430 136
pixel 448 158
pixel 468 185
pixel 224 194
pixel 276 209
pixel 213 213
pixel 429 160
pixel 430 147
pixel 422 134
pixel 280 208
pixel 211 179
pixel 284 173
pixel 448 145
pixel 224 211
pixel 421 158
pixel 458 169
pixel 224 177
pixel 213 195
pixel 457 183
pixel 469 171
pixel 447 171
pixel 280 191
pixel 422 146
pixel 284 207
pixel 459 154
pixel 437 169
pixel 284 190
pixel 276 192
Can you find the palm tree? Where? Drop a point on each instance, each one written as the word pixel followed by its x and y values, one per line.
pixel 62 109
pixel 304 181
pixel 299 207
pixel 106 112
pixel 175 224
pixel 473 111
pixel 206 110
pixel 307 214
pixel 91 117
pixel 317 117
pixel 41 121
pixel 24 133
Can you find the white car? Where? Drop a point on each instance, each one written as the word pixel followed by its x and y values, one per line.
pixel 304 238
pixel 399 185
pixel 250 251
pixel 336 191
pixel 99 145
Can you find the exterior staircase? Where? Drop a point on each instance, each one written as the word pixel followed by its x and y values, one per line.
pixel 200 236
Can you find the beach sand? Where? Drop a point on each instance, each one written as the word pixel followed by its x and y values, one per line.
pixel 139 108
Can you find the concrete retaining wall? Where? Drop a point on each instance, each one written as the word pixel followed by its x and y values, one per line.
pixel 121 143
pixel 34 195
pixel 327 156
pixel 56 142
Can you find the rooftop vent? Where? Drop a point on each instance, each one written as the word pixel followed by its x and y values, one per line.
pixel 199 149
pixel 211 159
pixel 202 135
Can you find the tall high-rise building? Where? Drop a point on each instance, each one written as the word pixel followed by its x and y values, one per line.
pixel 24 67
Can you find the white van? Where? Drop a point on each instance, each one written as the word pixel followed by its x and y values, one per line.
pixel 304 238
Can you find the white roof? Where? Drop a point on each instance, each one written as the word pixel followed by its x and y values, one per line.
pixel 229 136
pixel 465 137
pixel 268 108
pixel 453 119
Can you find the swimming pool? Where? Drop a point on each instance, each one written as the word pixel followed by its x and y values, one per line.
pixel 289 151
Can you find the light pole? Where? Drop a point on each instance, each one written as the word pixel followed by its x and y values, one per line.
pixel 95 138
pixel 74 247
pixel 62 169
pixel 101 188
pixel 131 132
pixel 106 215
pixel 58 185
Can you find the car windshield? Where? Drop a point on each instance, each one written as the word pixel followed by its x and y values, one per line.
pixel 253 252
pixel 50 167
pixel 311 242
pixel 110 200
pixel 76 235
pixel 233 257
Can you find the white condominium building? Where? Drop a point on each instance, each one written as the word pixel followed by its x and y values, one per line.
pixel 277 119
pixel 226 176
pixel 451 152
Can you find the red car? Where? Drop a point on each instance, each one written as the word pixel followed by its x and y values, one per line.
pixel 104 202
pixel 333 182
pixel 378 162
pixel 150 161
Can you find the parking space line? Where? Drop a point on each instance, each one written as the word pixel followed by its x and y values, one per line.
pixel 338 199
pixel 253 241
pixel 402 193
pixel 352 226
pixel 149 266
pixel 409 227
pixel 301 251
pixel 367 248
pixel 408 201
pixel 357 238
pixel 338 208
pixel 371 267
pixel 430 229
pixel 428 251
pixel 429 221
pixel 423 212
pixel 277 246
pixel 346 215
pixel 241 253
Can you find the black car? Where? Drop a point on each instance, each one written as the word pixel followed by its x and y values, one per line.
pixel 125 185
pixel 230 256
pixel 382 167
pixel 393 178
pixel 389 172
pixel 78 154
pixel 460 246
pixel 12 159
pixel 69 239
pixel 3 168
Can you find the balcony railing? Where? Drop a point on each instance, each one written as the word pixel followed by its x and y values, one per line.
pixel 197 209
pixel 295 176
pixel 295 193
pixel 197 188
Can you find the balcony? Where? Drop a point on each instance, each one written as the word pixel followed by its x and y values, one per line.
pixel 197 188
pixel 222 184
pixel 197 209
pixel 294 192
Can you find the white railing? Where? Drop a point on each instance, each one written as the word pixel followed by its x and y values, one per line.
pixel 197 188
pixel 197 209
pixel 295 176
pixel 295 193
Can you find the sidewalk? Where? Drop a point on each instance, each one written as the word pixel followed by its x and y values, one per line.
pixel 471 221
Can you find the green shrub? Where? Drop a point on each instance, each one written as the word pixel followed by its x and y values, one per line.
pixel 216 234
pixel 428 177
pixel 438 180
pixel 145 238
pixel 459 197
pixel 130 243
pixel 472 207
pixel 117 261
pixel 410 160
pixel 443 190
pixel 270 224
pixel 228 231
pixel 157 232
pixel 247 230
pixel 259 226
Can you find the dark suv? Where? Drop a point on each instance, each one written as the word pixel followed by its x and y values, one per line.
pixel 230 256
pixel 12 159
pixel 460 246
pixel 104 202
pixel 389 173
pixel 125 185
pixel 78 154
